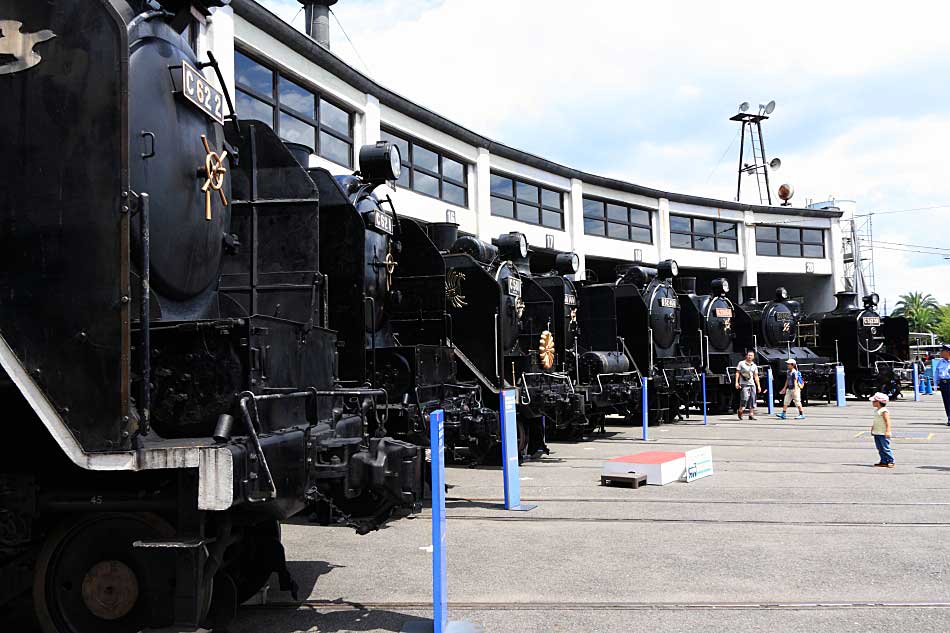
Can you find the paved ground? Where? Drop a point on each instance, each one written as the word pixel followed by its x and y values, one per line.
pixel 794 532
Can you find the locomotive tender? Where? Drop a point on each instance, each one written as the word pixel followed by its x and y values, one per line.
pixel 163 334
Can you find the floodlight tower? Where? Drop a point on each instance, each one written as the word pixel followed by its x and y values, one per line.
pixel 758 166
pixel 317 18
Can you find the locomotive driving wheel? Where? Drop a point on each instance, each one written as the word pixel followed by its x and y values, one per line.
pixel 87 578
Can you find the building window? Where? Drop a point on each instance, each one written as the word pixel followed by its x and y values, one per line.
pixel 618 220
pixel 429 172
pixel 781 241
pixel 702 234
pixel 297 113
pixel 526 201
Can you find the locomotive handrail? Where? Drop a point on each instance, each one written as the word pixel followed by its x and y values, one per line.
pixel 626 351
pixel 472 368
pixel 524 381
pixel 620 374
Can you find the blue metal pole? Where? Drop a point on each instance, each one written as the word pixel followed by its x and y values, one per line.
pixel 705 406
pixel 646 410
pixel 771 402
pixel 440 612
pixel 840 392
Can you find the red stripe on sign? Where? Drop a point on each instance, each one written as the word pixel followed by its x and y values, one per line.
pixel 651 457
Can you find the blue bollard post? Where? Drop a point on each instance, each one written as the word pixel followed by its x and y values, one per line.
pixel 841 394
pixel 440 595
pixel 644 405
pixel 705 406
pixel 440 611
pixel 917 379
pixel 771 396
pixel 509 448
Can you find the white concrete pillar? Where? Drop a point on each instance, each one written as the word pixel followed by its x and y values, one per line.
pixel 372 120
pixel 574 223
pixel 661 230
pixel 750 276
pixel 481 194
pixel 218 37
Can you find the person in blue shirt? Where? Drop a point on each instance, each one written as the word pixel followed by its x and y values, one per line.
pixel 942 378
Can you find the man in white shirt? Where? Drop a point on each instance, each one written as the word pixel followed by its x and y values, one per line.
pixel 747 383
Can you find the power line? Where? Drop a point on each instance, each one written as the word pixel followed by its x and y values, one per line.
pixel 731 143
pixel 938 248
pixel 352 45
pixel 890 211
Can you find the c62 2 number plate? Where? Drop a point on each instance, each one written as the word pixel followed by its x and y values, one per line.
pixel 201 93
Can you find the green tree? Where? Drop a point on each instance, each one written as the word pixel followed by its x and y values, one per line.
pixel 922 310
pixel 943 324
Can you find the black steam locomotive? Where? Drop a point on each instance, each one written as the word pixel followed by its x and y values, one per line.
pixel 772 331
pixel 874 350
pixel 165 342
pixel 714 336
pixel 641 312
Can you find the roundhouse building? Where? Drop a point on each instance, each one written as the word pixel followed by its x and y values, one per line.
pixel 280 75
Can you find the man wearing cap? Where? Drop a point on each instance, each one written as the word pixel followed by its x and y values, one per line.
pixel 942 378
pixel 792 390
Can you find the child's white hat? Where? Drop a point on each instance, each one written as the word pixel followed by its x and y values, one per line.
pixel 791 361
pixel 879 397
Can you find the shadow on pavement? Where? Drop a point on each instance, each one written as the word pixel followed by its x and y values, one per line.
pixel 279 620
pixel 945 469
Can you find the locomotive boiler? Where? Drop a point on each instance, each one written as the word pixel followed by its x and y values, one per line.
pixel 641 310
pixel 390 310
pixel 163 334
pixel 874 350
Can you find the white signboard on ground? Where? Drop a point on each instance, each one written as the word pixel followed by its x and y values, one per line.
pixel 699 463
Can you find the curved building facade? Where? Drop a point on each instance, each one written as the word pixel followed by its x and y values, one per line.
pixel 279 75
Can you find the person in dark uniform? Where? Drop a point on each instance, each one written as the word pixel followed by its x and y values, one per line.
pixel 942 378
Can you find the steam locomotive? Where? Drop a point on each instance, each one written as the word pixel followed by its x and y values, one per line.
pixel 165 343
pixel 773 332
pixel 874 350
pixel 640 313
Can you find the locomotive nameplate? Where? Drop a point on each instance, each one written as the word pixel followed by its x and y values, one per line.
pixel 724 313
pixel 514 287
pixel 201 93
pixel 382 221
pixel 668 302
pixel 570 300
pixel 872 321
pixel 783 316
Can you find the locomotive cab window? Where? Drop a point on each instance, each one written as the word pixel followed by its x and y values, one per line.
pixel 783 241
pixel 526 201
pixel 297 113
pixel 617 220
pixel 428 171
pixel 704 234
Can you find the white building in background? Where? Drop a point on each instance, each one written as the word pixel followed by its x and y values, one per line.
pixel 279 75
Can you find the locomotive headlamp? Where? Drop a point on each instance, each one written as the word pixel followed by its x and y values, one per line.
pixel 781 294
pixel 872 299
pixel 719 286
pixel 380 162
pixel 567 263
pixel 513 245
pixel 667 269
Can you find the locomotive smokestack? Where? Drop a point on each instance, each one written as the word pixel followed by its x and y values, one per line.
pixel 686 285
pixel 317 14
pixel 443 235
pixel 847 300
pixel 750 294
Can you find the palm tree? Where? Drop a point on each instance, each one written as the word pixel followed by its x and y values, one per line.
pixel 921 310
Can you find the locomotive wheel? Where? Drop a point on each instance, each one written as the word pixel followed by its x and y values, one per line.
pixel 251 562
pixel 87 578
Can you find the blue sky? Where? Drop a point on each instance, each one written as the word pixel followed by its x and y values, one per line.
pixel 643 92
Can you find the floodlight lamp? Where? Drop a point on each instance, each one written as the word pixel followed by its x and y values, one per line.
pixel 769 107
pixel 744 106
pixel 775 163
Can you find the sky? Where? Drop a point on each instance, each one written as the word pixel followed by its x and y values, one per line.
pixel 643 91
